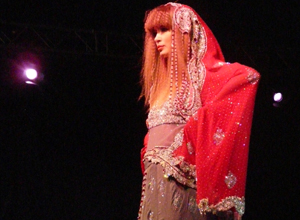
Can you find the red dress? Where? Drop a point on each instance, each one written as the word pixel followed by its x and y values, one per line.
pixel 211 154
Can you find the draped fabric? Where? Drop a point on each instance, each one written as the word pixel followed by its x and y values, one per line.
pixel 216 138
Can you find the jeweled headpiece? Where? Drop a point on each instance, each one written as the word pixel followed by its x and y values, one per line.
pixel 186 20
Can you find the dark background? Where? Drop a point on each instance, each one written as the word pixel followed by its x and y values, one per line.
pixel 70 145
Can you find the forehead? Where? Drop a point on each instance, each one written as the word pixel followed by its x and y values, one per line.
pixel 158 18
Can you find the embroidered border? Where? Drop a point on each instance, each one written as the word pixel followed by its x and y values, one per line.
pixel 176 167
pixel 226 204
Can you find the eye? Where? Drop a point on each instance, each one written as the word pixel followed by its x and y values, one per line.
pixel 153 32
pixel 164 29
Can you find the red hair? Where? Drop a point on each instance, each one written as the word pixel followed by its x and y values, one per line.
pixel 159 73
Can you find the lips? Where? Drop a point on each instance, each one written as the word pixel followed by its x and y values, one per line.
pixel 159 47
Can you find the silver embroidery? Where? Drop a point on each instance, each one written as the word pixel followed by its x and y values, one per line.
pixel 203 206
pixel 166 114
pixel 195 116
pixel 162 188
pixel 183 19
pixel 187 20
pixel 177 112
pixel 192 205
pixel 218 136
pixel 177 200
pixel 150 215
pixel 190 148
pixel 230 202
pixel 183 172
pixel 143 196
pixel 230 180
pixel 152 184
pixel 253 76
pixel 226 204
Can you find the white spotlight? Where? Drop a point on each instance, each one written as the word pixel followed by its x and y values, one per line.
pixel 277 97
pixel 31 74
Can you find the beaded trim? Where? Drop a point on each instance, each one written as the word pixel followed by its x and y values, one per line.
pixel 187 100
pixel 226 204
pixel 176 167
pixel 252 76
pixel 166 114
pixel 143 196
pixel 187 21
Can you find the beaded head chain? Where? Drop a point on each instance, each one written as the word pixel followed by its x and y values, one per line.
pixel 185 72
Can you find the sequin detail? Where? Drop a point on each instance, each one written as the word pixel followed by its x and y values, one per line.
pixel 253 76
pixel 188 101
pixel 218 136
pixel 177 201
pixel 152 184
pixel 166 114
pixel 183 20
pixel 162 188
pixel 150 215
pixel 192 205
pixel 226 204
pixel 230 180
pixel 187 21
pixel 176 167
pixel 143 196
pixel 190 148
pixel 203 206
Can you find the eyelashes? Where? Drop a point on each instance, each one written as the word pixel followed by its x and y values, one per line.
pixel 161 29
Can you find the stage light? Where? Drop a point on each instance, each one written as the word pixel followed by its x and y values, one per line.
pixel 30 82
pixel 280 99
pixel 31 73
pixel 27 68
pixel 277 97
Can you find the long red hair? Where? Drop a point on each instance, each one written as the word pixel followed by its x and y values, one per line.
pixel 157 72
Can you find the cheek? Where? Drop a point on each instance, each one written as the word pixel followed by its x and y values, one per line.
pixel 169 39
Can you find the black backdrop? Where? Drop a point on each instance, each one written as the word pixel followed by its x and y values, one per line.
pixel 70 145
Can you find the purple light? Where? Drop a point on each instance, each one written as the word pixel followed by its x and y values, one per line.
pixel 277 97
pixel 31 74
pixel 30 82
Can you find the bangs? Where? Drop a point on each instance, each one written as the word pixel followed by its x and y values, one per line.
pixel 158 18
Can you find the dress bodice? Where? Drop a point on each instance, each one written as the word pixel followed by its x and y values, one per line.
pixel 172 113
pixel 164 114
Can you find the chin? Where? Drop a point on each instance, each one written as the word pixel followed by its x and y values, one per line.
pixel 163 54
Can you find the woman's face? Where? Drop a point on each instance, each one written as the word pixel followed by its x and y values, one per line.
pixel 163 40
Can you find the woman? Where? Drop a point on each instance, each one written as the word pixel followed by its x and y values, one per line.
pixel 200 113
